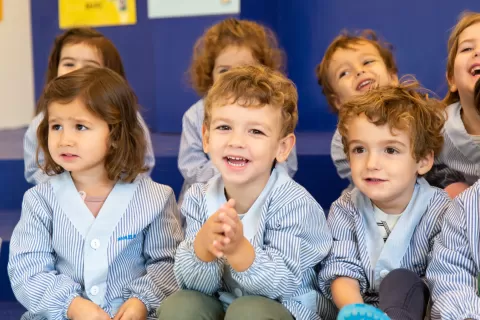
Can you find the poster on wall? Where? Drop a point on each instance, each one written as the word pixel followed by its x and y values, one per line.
pixel 189 8
pixel 96 13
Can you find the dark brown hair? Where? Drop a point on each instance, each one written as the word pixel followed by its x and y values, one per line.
pixel 255 86
pixel 402 107
pixel 91 37
pixel 108 96
pixel 243 33
pixel 344 41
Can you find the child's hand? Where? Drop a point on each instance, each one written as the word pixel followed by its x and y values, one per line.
pixel 232 228
pixel 83 309
pixel 456 188
pixel 210 233
pixel 132 309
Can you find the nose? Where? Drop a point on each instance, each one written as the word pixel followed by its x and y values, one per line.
pixel 237 139
pixel 373 161
pixel 360 72
pixel 66 138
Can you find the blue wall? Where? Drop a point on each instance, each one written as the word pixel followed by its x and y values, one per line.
pixel 157 52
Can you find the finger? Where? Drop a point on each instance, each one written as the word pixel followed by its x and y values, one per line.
pixel 229 235
pixel 227 220
pixel 216 227
pixel 231 203
pixel 232 213
pixel 119 314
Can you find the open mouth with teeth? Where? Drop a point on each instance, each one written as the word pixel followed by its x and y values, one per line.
pixel 236 161
pixel 365 84
pixel 374 180
pixel 475 70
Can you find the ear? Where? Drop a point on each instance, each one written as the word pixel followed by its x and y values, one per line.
pixel 205 138
pixel 337 104
pixel 394 79
pixel 285 147
pixel 425 164
pixel 452 87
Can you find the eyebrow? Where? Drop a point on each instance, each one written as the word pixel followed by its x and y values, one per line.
pixel 56 119
pixel 88 60
pixel 252 123
pixel 387 142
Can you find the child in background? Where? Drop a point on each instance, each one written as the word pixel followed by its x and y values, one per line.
pixel 97 240
pixel 461 151
pixel 253 235
pixel 352 65
pixel 457 253
pixel 74 49
pixel 225 45
pixel 384 229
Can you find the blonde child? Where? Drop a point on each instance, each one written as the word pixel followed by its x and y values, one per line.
pixel 253 235
pixel 74 49
pixel 225 45
pixel 97 240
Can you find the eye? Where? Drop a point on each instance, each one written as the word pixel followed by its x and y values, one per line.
pixel 81 127
pixel 368 62
pixel 223 70
pixel 342 74
pixel 391 150
pixel 466 49
pixel 223 128
pixel 69 64
pixel 256 132
pixel 358 150
pixel 55 127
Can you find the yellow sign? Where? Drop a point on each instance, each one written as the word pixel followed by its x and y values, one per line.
pixel 1 10
pixel 96 13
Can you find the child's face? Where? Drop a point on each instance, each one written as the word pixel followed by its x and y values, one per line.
pixel 354 71
pixel 467 60
pixel 244 142
pixel 382 164
pixel 77 139
pixel 230 57
pixel 76 56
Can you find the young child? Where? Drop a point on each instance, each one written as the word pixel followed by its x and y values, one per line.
pixel 225 45
pixel 352 65
pixel 454 271
pixel 461 151
pixel 97 240
pixel 384 228
pixel 74 49
pixel 253 235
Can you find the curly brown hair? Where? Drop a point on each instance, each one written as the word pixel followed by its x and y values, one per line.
pixel 465 20
pixel 402 107
pixel 91 37
pixel 255 86
pixel 259 39
pixel 346 40
pixel 107 95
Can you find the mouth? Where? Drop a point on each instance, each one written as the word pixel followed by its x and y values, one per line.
pixel 365 84
pixel 236 161
pixel 374 180
pixel 475 70
pixel 68 155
